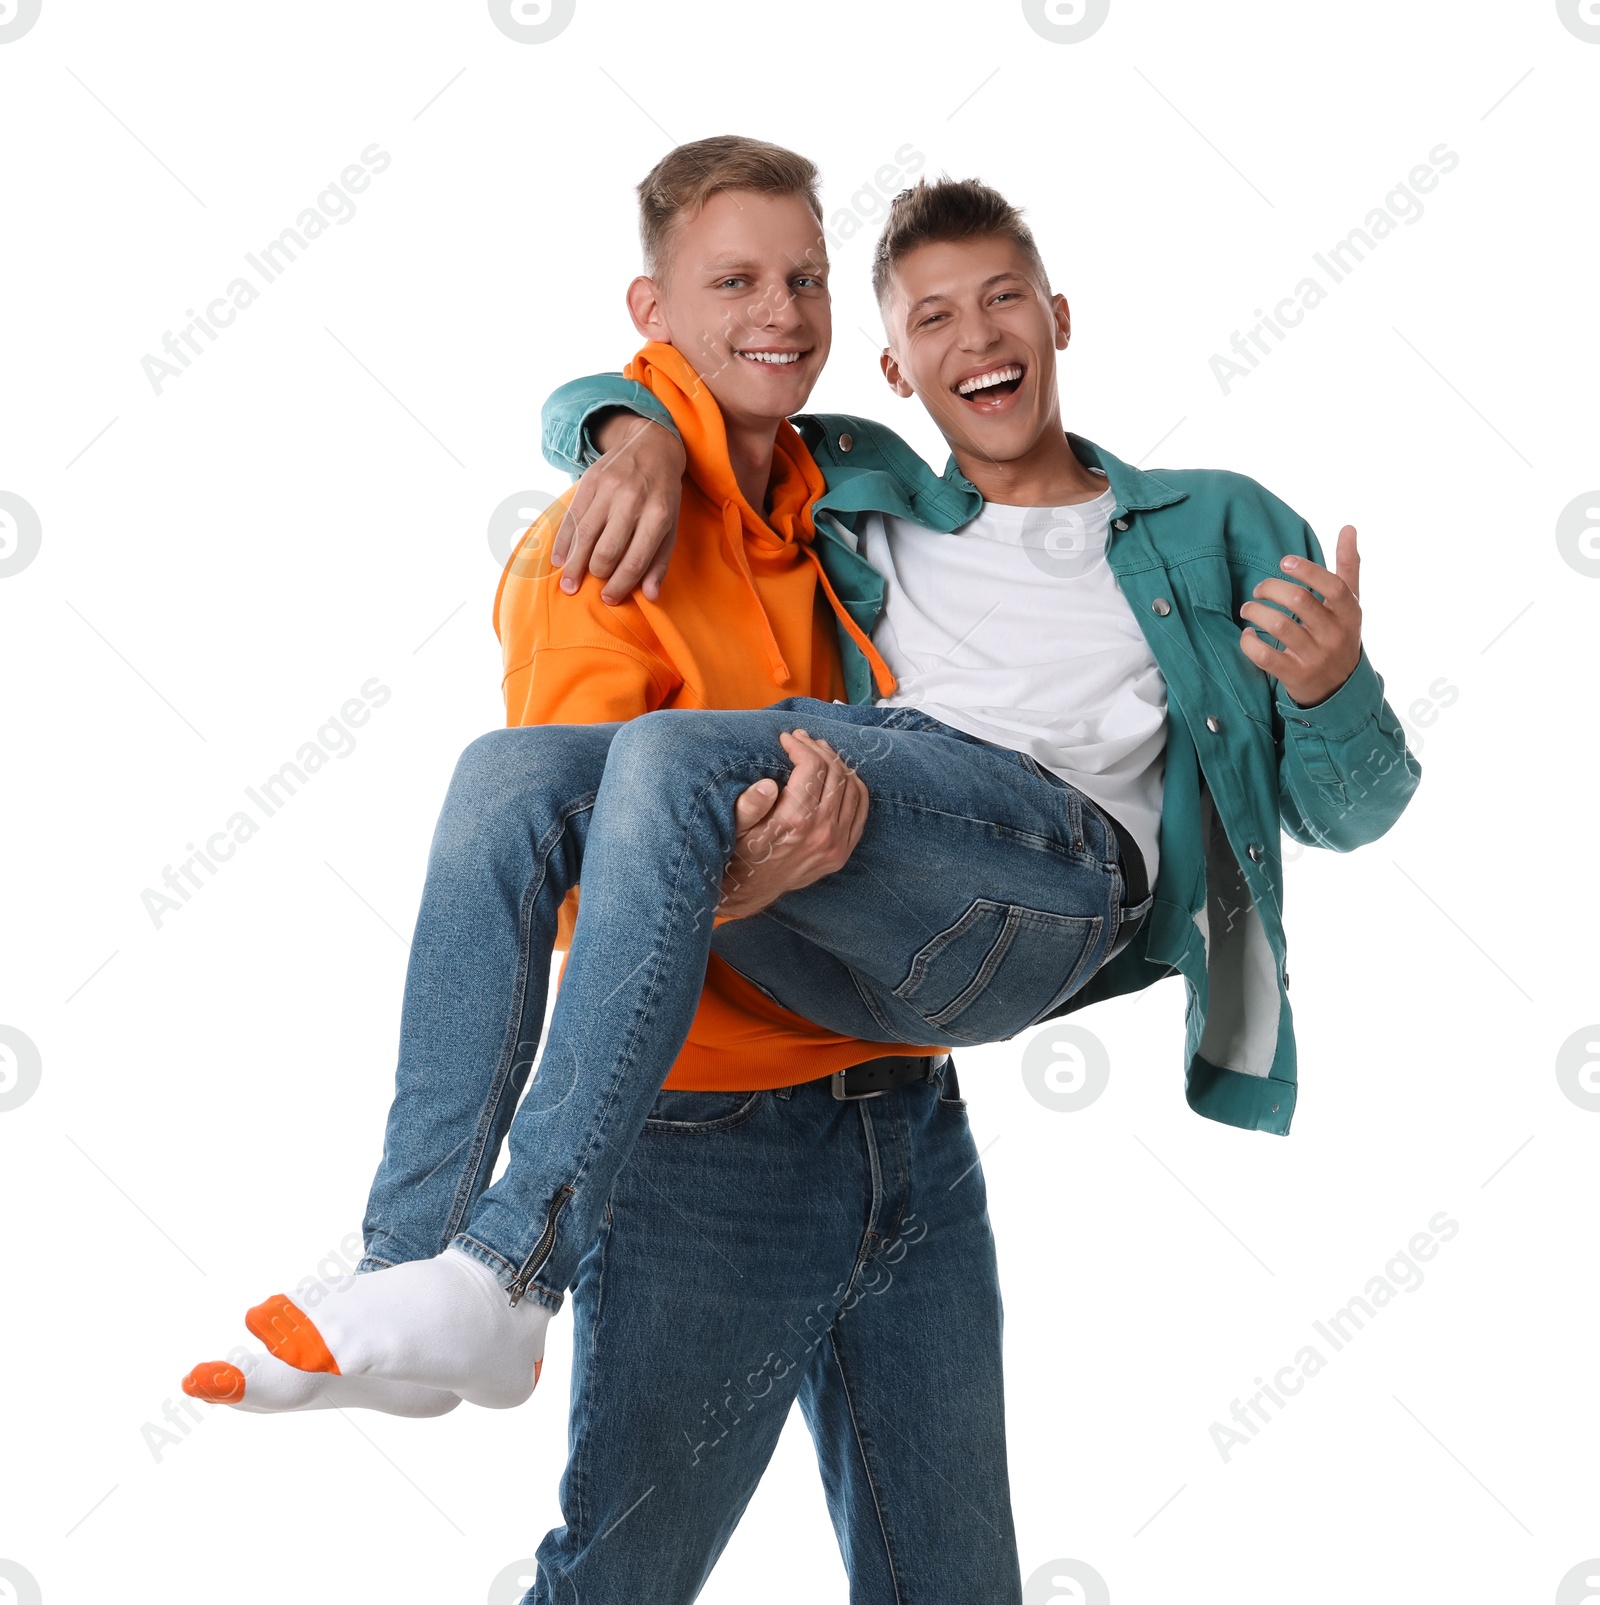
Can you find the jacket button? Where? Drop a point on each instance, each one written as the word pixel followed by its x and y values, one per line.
pixel 1161 607
pixel 1121 523
pixel 1257 852
pixel 1213 723
pixel 846 442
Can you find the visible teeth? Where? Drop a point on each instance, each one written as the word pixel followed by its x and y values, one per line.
pixel 985 381
pixel 780 358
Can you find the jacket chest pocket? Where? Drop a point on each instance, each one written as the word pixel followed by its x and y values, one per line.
pixel 1219 630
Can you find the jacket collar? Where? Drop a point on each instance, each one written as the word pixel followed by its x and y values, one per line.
pixel 1135 490
pixel 891 478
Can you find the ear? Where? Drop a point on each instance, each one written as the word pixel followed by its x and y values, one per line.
pixel 891 372
pixel 1063 320
pixel 646 310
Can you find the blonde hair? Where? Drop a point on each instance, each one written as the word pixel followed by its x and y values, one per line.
pixel 686 178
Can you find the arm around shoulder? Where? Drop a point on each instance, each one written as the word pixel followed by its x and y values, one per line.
pixel 574 411
pixel 623 515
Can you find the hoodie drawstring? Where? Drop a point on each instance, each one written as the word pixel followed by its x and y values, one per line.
pixel 673 381
pixel 733 533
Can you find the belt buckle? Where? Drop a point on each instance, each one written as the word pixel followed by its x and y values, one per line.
pixel 836 1086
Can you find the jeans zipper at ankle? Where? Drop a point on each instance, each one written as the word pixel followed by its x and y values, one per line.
pixel 541 1249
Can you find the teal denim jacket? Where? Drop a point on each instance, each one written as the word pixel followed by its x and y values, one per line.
pixel 1243 762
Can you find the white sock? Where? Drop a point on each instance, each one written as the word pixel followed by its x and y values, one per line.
pixel 444 1323
pixel 260 1384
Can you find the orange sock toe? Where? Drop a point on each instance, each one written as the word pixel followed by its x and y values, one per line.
pixel 216 1382
pixel 290 1335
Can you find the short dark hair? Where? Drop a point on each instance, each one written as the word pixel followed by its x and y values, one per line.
pixel 949 209
pixel 687 177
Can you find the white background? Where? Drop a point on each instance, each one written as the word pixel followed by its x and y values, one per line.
pixel 222 565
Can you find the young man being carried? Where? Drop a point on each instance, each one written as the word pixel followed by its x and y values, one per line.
pixel 1170 646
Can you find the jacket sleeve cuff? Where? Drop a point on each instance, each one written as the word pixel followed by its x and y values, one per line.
pixel 1346 713
pixel 571 412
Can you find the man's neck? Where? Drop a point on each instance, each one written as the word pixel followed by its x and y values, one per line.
pixel 1048 475
pixel 750 449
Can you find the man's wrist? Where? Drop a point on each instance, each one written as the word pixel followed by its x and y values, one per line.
pixel 1316 697
pixel 612 427
pixel 616 428
pixel 1344 711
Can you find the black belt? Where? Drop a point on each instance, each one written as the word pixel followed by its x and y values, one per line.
pixel 874 1077
pixel 1135 886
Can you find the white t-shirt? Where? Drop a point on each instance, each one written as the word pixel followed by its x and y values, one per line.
pixel 1013 629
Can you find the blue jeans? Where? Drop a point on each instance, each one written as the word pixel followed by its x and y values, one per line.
pixel 981 894
pixel 763 1247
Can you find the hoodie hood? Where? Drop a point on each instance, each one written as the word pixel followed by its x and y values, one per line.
pixel 753 540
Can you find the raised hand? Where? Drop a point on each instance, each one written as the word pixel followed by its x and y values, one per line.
pixel 1321 632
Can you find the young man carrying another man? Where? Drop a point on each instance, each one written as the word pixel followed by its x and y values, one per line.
pixel 1063 726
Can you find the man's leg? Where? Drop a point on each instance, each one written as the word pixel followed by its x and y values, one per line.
pixel 908 1410
pixel 730 1242
pixel 978 890
pixel 507 849
pixel 978 896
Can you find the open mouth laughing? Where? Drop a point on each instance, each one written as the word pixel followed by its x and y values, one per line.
pixel 990 389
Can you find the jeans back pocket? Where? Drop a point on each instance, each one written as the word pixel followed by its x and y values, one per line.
pixel 997 969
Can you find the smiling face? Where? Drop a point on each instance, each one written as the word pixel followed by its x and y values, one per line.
pixel 973 335
pixel 742 292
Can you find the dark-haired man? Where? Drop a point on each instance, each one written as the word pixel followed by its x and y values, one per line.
pixel 1169 646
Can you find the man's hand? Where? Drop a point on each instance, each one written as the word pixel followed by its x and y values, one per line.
pixel 791 838
pixel 623 517
pixel 1322 641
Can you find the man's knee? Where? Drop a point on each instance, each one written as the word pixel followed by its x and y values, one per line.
pixel 507 763
pixel 672 745
pixel 516 784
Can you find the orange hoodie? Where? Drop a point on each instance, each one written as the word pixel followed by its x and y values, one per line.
pixel 745 617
